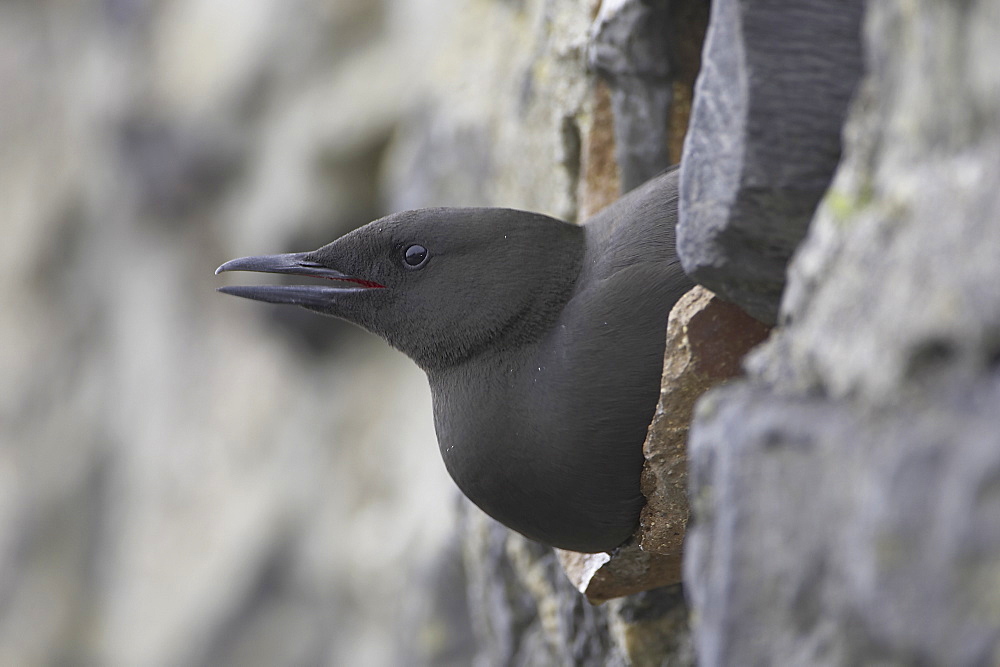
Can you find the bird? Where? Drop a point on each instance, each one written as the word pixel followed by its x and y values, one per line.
pixel 542 342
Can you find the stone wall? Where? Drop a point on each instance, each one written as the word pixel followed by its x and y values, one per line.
pixel 844 496
pixel 187 479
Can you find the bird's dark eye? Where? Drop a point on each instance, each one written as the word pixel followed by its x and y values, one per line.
pixel 415 256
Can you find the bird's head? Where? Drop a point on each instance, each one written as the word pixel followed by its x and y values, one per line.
pixel 438 284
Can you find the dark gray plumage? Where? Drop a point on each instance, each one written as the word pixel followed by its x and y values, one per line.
pixel 542 341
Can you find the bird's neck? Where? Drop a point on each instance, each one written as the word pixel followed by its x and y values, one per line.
pixel 507 331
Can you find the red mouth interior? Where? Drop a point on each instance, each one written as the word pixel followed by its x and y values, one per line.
pixel 369 284
pixel 364 283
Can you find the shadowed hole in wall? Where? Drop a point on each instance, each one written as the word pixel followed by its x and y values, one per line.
pixel 930 356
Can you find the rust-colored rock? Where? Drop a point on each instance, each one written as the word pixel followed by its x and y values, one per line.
pixel 706 340
pixel 599 178
pixel 625 571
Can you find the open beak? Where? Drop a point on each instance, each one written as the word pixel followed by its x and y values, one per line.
pixel 298 264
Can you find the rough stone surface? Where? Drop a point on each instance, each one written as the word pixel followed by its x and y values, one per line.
pixel 649 53
pixel 764 140
pixel 706 341
pixel 630 47
pixel 829 534
pixel 599 178
pixel 652 628
pixel 688 23
pixel 625 571
pixel 844 496
pixel 533 615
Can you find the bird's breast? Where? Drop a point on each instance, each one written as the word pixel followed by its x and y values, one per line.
pixel 539 456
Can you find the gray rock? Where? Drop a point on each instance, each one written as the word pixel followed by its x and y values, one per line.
pixel 895 283
pixel 844 497
pixel 764 140
pixel 524 610
pixel 828 534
